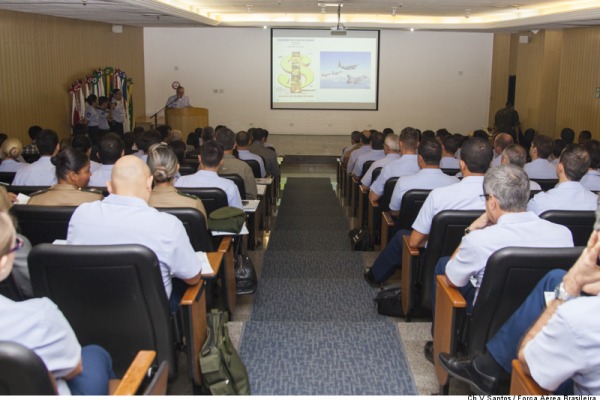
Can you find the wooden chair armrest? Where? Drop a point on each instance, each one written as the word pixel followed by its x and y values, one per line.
pixel 364 190
pixel 410 263
pixel 387 224
pixel 193 309
pixel 449 305
pixel 523 384
pixel 226 259
pixel 215 259
pixel 356 179
pixel 374 203
pixel 387 219
pixel 135 374
pixel 225 243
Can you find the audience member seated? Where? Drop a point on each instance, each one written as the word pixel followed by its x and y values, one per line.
pixel 193 139
pixel 110 150
pixel 231 165
pixel 500 142
pixel 584 137
pixel 40 326
pixel 365 147
pixel 405 166
pixel 125 217
pixel 257 147
pixel 569 194
pixel 269 145
pixel 465 195
pixel 41 172
pixel 163 165
pixel 391 149
pixel 567 135
pixel 33 133
pixel 83 143
pixel 566 346
pixel 450 146
pixel 11 153
pixel 375 153
pixel 429 177
pixel 354 143
pixel 72 174
pixel 516 155
pixel 540 167
pixel 147 139
pixel 242 141
pixel 211 158
pixel 591 180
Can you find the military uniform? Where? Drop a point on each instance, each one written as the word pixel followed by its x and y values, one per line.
pixel 64 195
pixel 168 196
pixel 232 165
pixel 269 156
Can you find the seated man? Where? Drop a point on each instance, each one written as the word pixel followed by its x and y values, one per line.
pixel 569 194
pixel 429 177
pixel 111 148
pixel 211 159
pixel 365 147
pixel 564 348
pixel 354 143
pixel 391 151
pixel 376 152
pixel 242 141
pixel 125 217
pixel 501 141
pixel 516 154
pixel 591 180
pixel 42 172
pixel 231 165
pixel 465 195
pixel 449 148
pixel 257 147
pixel 540 167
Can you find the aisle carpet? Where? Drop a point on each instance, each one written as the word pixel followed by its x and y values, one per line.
pixel 313 329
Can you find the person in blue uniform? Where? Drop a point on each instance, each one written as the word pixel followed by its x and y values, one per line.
pixel 118 111
pixel 391 149
pixel 42 171
pixel 178 100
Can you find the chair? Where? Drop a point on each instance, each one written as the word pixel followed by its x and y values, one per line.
pixel 521 384
pixel 212 198
pixel 546 184
pixel 43 224
pixel 187 170
pixel 359 198
pixel 27 190
pixel 239 182
pixel 195 226
pixel 255 167
pixel 114 296
pixel 418 265
pixel 377 208
pixel 451 171
pixel 580 223
pixel 7 177
pixel 511 274
pixel 10 289
pixel 411 204
pixel 22 372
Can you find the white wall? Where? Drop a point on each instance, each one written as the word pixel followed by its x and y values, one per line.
pixel 427 80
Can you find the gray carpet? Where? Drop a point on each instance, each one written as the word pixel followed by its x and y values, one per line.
pixel 313 329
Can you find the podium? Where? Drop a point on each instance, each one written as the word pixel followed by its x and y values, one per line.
pixel 186 119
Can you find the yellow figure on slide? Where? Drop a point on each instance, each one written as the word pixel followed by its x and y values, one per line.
pixel 296 66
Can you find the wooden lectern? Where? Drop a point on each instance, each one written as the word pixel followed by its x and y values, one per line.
pixel 186 119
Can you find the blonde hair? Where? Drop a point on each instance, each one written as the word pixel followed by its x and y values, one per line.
pixel 162 162
pixel 12 148
pixel 7 233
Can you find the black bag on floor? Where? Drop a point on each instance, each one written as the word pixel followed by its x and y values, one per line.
pixel 360 239
pixel 389 302
pixel 245 274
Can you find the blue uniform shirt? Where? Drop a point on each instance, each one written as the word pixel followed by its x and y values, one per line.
pixel 40 173
pixel 101 176
pixel 428 178
pixel 405 166
pixel 382 162
pixel 208 179
pixel 565 196
pixel 540 169
pixel 372 155
pixel 590 181
pixel 354 157
pixel 247 155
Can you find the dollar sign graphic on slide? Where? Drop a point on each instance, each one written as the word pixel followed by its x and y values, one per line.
pixel 297 74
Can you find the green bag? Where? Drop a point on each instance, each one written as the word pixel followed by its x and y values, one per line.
pixel 223 372
pixel 226 219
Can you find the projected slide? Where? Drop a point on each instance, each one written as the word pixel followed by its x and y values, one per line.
pixel 311 69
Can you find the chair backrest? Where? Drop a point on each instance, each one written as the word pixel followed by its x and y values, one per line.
pixel 187 170
pixel 239 182
pixel 22 372
pixel 7 177
pixel 10 289
pixel 533 193
pixel 212 198
pixel 25 189
pixel 195 226
pixel 158 384
pixel 510 276
pixel 255 167
pixel 365 168
pixel 447 230
pixel 112 296
pixel 580 223
pixel 451 171
pixel 43 224
pixel 386 197
pixel 411 204
pixel 375 174
pixel 546 184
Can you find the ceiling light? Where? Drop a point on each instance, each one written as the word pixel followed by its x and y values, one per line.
pixel 265 27
pixel 412 29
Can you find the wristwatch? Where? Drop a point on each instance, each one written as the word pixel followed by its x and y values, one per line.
pixel 561 294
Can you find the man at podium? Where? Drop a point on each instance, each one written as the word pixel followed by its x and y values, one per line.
pixel 178 100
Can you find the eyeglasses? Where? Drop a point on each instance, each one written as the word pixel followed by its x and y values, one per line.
pixel 485 196
pixel 18 245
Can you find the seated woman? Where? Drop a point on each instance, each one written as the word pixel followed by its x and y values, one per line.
pixel 164 166
pixel 72 174
pixel 40 326
pixel 11 152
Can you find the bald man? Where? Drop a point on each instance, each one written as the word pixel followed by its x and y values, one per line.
pixel 125 217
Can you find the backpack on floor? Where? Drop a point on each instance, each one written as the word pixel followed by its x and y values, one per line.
pixel 360 240
pixel 222 369
pixel 388 302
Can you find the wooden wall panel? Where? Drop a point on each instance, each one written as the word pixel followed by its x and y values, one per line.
pixel 529 80
pixel 500 72
pixel 40 56
pixel 579 77
pixel 549 71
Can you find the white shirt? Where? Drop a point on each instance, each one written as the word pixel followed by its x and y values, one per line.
pixel 590 181
pixel 449 162
pixel 247 155
pixel 428 178
pixel 404 166
pixel 101 176
pixel 39 325
pixel 465 195
pixel 382 162
pixel 540 169
pixel 565 196
pixel 496 161
pixel 94 166
pixel 523 229
pixel 40 173
pixel 178 102
pixel 119 111
pixel 208 179
pixel 130 220
pixel 10 165
pixel 372 155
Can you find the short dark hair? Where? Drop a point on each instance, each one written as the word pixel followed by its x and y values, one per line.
pixel 81 142
pixel 242 139
pixel 377 139
pixel 164 131
pixel 428 133
pixel 559 146
pixel 258 134
pixel 593 148
pixel 34 131
pixel 69 159
pixel 149 138
pixel 211 154
pixel 477 153
pixel 502 140
pixel 387 131
pixel 576 161
pixel 544 145
pixel 584 136
pixel 568 135
pixel 110 149
pixel 364 139
pixel 193 139
pixel 480 133
pixel 515 154
pixel 431 151
pixel 355 136
pixel 179 149
pixel 208 133
pixel 91 99
pixel 409 137
pixel 450 144
pixel 226 138
pixel 46 142
pixel 128 141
